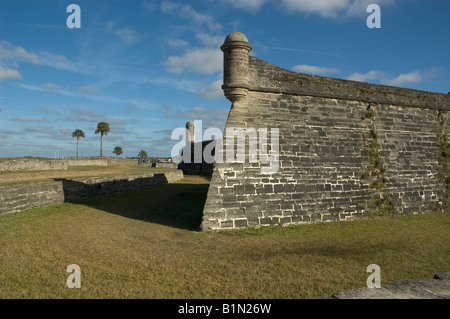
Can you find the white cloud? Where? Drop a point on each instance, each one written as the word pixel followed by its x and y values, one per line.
pixel 29 119
pixel 247 5
pixel 404 78
pixel 326 8
pixel 128 36
pixel 87 89
pixel 332 8
pixel 314 69
pixel 48 110
pixel 58 62
pixel 202 61
pixel 185 11
pixel 210 40
pixel 9 74
pixel 212 91
pixel 413 77
pixel 364 77
pixel 177 43
pixel 150 6
pixel 359 7
pixel 9 51
pixel 50 86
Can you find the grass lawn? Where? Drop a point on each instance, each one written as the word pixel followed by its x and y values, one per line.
pixel 144 244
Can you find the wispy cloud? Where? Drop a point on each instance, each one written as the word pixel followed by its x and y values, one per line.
pixel 210 40
pixel 126 34
pixel 414 77
pixel 84 92
pixel 364 77
pixel 87 89
pixel 212 91
pixel 58 61
pixel 48 110
pixel 185 11
pixel 51 86
pixel 331 8
pixel 313 69
pixel 9 51
pixel 405 78
pixel 48 132
pixel 177 43
pixel 150 6
pixel 247 5
pixel 9 133
pixel 10 54
pixel 29 119
pixel 84 115
pixel 9 74
pixel 196 60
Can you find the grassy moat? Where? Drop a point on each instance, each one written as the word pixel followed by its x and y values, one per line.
pixel 146 244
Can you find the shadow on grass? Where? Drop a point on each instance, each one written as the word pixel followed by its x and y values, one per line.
pixel 177 205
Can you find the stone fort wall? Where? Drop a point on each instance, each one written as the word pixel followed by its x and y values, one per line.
pixel 346 149
pixel 31 164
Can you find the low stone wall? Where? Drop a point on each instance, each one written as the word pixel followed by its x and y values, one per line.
pixel 122 161
pixel 16 198
pixel 87 162
pixel 32 165
pixel 165 165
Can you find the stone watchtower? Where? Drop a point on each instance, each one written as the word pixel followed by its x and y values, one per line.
pixel 236 74
pixel 190 126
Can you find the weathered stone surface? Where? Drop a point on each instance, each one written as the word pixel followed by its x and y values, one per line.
pixel 425 288
pixel 326 127
pixel 32 165
pixel 407 289
pixel 439 288
pixel 365 293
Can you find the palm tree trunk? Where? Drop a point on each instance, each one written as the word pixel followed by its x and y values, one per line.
pixel 78 141
pixel 101 146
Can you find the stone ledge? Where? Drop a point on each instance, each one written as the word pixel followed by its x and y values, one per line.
pixel 426 288
pixel 269 78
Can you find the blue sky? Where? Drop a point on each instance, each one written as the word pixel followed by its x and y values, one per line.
pixel 149 66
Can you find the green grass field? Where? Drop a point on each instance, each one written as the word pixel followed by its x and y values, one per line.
pixel 144 244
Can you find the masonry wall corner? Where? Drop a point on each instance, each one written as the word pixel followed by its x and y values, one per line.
pixel 336 137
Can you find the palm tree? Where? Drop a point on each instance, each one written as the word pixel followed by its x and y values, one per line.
pixel 78 133
pixel 118 150
pixel 103 129
pixel 143 154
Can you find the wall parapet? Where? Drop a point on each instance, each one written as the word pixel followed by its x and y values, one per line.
pixel 268 78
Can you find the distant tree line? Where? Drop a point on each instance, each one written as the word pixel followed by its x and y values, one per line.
pixel 103 129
